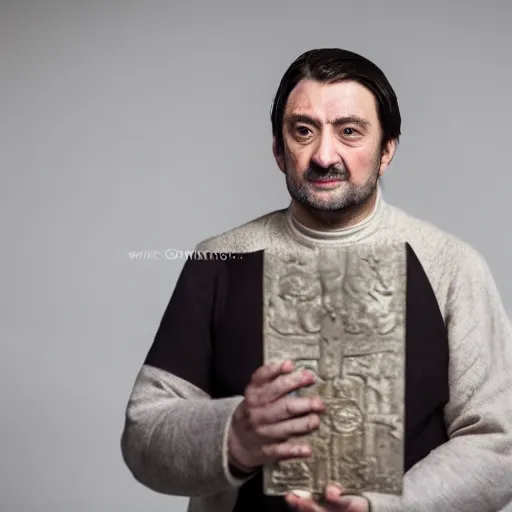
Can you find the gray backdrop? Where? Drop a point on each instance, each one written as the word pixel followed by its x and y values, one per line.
pixel 144 126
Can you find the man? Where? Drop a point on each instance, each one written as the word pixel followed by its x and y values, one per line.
pixel 205 414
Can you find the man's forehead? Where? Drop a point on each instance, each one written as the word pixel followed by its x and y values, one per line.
pixel 330 101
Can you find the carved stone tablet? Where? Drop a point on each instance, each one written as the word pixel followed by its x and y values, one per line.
pixel 341 313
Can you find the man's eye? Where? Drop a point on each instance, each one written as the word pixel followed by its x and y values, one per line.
pixel 303 131
pixel 349 131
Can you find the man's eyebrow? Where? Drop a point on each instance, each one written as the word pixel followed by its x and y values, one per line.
pixel 302 118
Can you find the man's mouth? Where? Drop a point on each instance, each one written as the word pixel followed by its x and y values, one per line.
pixel 326 182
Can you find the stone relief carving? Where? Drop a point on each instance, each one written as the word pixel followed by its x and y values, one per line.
pixel 341 313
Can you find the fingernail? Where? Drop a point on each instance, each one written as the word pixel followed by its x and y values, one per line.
pixel 318 403
pixel 300 376
pixel 302 494
pixel 303 450
pixel 335 489
pixel 287 366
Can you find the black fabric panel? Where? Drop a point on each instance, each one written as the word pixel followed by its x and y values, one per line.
pixel 427 356
pixel 238 347
pixel 239 352
pixel 183 342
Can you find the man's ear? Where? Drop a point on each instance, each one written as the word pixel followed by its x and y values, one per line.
pixel 278 156
pixel 387 154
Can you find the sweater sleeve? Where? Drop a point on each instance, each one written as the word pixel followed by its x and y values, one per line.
pixel 472 472
pixel 174 439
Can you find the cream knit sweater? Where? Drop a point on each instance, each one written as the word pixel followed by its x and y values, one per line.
pixel 472 472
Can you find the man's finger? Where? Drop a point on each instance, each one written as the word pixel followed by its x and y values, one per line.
pixel 350 504
pixel 288 407
pixel 333 492
pixel 302 504
pixel 294 427
pixel 287 450
pixel 285 384
pixel 270 371
pixel 336 500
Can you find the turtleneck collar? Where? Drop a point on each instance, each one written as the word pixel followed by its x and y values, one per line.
pixel 338 237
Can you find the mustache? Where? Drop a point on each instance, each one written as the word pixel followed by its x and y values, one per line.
pixel 333 172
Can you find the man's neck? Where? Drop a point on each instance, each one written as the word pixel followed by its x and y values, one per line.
pixel 327 221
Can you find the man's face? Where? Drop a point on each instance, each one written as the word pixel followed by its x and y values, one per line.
pixel 332 145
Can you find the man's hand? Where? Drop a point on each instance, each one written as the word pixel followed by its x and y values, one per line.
pixel 268 417
pixel 334 502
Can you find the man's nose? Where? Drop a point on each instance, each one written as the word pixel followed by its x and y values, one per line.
pixel 326 155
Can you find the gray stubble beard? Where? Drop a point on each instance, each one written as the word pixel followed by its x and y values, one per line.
pixel 353 196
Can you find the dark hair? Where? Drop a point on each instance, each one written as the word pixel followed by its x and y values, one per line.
pixel 332 65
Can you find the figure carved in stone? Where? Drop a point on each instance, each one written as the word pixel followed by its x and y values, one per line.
pixel 294 306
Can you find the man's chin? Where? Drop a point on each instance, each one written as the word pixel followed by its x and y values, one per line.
pixel 325 206
pixel 333 204
pixel 328 202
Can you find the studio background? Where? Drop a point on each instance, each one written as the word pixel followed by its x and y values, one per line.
pixel 144 126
